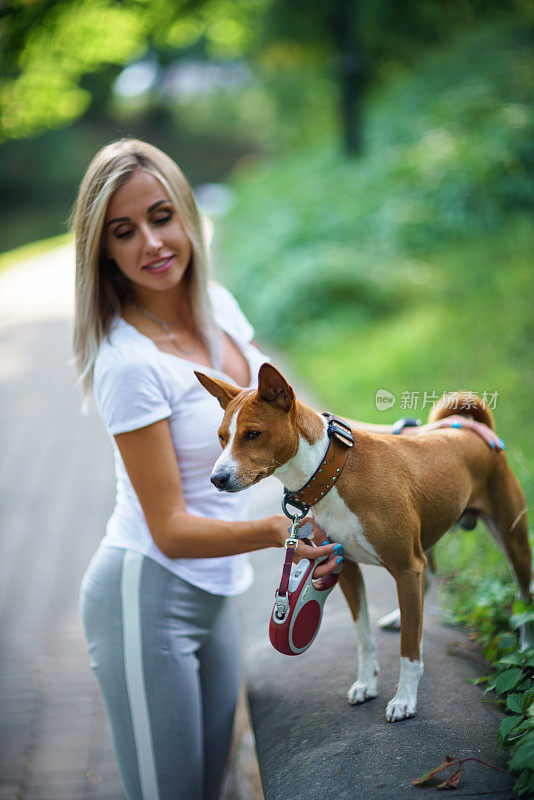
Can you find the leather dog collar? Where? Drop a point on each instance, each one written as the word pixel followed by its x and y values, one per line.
pixel 328 471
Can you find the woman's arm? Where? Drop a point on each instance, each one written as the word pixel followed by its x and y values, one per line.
pixel 150 461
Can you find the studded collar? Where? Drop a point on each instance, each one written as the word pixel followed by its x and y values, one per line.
pixel 329 470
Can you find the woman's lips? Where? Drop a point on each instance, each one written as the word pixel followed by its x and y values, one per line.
pixel 159 266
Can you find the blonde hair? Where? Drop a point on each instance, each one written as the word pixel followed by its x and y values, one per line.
pixel 100 288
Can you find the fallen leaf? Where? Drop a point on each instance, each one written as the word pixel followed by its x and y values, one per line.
pixel 426 777
pixel 453 781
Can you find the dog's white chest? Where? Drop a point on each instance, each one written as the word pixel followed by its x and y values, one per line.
pixel 341 525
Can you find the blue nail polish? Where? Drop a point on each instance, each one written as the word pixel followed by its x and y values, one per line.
pixel 338 549
pixel 325 542
pixel 501 444
pixel 339 560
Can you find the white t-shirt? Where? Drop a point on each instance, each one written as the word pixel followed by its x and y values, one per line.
pixel 136 384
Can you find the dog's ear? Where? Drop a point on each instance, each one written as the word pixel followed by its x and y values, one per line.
pixel 273 388
pixel 224 392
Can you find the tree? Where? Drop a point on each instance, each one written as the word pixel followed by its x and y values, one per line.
pixel 47 46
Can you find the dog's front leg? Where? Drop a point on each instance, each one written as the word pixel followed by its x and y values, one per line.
pixel 353 587
pixel 410 589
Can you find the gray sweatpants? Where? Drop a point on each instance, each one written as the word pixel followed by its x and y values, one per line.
pixel 166 658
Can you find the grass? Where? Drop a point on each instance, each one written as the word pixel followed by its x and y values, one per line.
pixel 462 335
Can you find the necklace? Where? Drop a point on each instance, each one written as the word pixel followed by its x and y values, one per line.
pixel 170 334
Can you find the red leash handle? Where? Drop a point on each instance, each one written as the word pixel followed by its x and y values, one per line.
pixel 286 569
pixel 297 612
pixel 286 572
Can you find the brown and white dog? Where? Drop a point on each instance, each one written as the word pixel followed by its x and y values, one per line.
pixel 396 496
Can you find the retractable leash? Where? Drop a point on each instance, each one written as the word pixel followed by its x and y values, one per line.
pixel 299 600
pixel 298 608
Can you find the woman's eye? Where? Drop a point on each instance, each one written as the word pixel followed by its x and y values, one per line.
pixel 162 220
pixel 252 435
pixel 123 234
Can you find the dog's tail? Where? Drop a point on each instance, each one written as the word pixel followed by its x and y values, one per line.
pixel 466 404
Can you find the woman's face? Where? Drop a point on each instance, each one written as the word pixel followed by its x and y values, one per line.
pixel 144 236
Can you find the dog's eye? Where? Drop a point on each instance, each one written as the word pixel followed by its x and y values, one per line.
pixel 221 438
pixel 252 435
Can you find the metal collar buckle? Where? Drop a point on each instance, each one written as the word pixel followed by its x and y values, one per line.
pixel 339 429
pixel 295 503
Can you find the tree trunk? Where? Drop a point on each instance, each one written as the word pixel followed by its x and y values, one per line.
pixel 351 72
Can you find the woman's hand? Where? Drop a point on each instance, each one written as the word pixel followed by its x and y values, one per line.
pixel 333 551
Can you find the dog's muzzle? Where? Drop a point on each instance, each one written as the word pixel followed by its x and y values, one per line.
pixel 223 480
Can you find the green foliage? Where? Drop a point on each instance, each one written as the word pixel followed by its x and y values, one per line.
pixel 449 156
pixel 52 51
pixel 484 604
pixel 489 609
pixel 48 47
pixel 487 605
pixel 407 27
pixel 71 39
pixel 513 683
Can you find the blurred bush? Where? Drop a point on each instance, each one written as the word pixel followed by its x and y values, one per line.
pixel 449 155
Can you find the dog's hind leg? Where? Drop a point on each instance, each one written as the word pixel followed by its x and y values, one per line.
pixel 392 620
pixel 507 522
pixel 353 587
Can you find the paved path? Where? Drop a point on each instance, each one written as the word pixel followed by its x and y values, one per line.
pixel 56 494
pixel 312 745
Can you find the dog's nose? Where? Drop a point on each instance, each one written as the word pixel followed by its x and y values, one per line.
pixel 221 479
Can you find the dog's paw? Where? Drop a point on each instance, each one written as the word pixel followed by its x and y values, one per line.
pixel 400 708
pixel 361 691
pixel 391 621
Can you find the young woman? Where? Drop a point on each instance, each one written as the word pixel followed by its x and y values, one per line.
pixel 156 598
